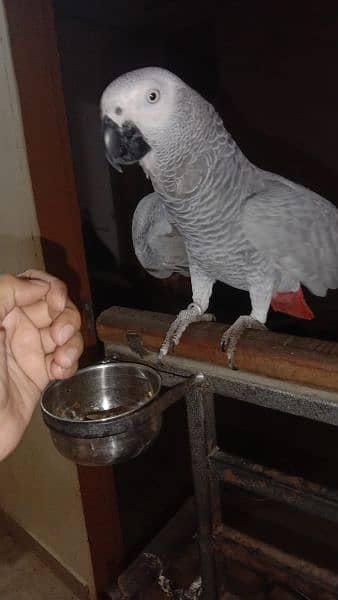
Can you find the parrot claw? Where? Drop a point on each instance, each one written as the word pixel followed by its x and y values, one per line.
pixel 165 349
pixel 231 336
pixel 189 315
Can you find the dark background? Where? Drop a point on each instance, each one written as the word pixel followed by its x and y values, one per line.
pixel 270 68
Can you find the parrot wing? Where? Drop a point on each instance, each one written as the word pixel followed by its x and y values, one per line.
pixel 157 243
pixel 298 229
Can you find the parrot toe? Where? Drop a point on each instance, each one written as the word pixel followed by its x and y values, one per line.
pixel 184 318
pixel 231 336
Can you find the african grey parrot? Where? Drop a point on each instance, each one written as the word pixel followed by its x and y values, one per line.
pixel 214 212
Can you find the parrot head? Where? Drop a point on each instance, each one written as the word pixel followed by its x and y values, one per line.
pixel 137 110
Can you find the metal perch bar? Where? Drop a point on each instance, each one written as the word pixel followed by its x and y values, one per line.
pixel 126 337
pixel 304 361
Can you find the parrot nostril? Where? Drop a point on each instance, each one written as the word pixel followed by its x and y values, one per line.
pixel 118 110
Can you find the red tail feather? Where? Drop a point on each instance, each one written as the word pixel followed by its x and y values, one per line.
pixel 292 303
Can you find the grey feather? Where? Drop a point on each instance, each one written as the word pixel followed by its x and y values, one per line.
pixel 297 229
pixel 158 245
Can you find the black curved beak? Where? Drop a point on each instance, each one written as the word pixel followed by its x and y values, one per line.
pixel 123 145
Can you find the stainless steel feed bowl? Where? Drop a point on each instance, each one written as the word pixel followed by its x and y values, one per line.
pixel 104 414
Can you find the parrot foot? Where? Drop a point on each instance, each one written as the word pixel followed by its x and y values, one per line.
pixel 231 336
pixel 192 314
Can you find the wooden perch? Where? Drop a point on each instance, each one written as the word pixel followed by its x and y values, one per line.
pixel 305 361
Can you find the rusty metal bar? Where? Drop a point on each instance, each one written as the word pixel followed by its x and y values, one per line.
pixel 284 357
pixel 270 483
pixel 295 573
pixel 199 401
pixel 294 399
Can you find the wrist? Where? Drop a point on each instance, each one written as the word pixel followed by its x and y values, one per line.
pixel 12 428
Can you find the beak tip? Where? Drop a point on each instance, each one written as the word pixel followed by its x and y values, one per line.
pixel 113 163
pixel 117 167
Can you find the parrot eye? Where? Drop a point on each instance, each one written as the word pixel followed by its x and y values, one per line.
pixel 153 96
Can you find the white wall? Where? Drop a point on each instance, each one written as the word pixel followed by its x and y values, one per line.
pixel 19 234
pixel 38 488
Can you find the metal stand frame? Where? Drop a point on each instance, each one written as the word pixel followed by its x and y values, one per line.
pixel 202 432
pixel 211 466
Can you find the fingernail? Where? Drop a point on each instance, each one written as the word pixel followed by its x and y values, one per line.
pixel 57 371
pixel 65 334
pixel 70 357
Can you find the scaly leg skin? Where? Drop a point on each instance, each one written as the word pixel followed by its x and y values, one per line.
pixel 201 284
pixel 231 336
pixel 260 296
pixel 192 314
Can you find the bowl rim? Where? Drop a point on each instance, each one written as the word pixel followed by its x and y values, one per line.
pixel 100 365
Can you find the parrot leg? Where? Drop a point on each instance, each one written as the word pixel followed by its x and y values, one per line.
pixel 260 296
pixel 189 315
pixel 231 336
pixel 201 287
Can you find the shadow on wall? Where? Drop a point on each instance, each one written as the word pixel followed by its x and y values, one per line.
pixel 57 262
pixel 15 250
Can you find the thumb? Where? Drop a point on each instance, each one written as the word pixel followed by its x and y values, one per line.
pixel 3 370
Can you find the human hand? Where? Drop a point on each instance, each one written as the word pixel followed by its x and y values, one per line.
pixel 40 341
